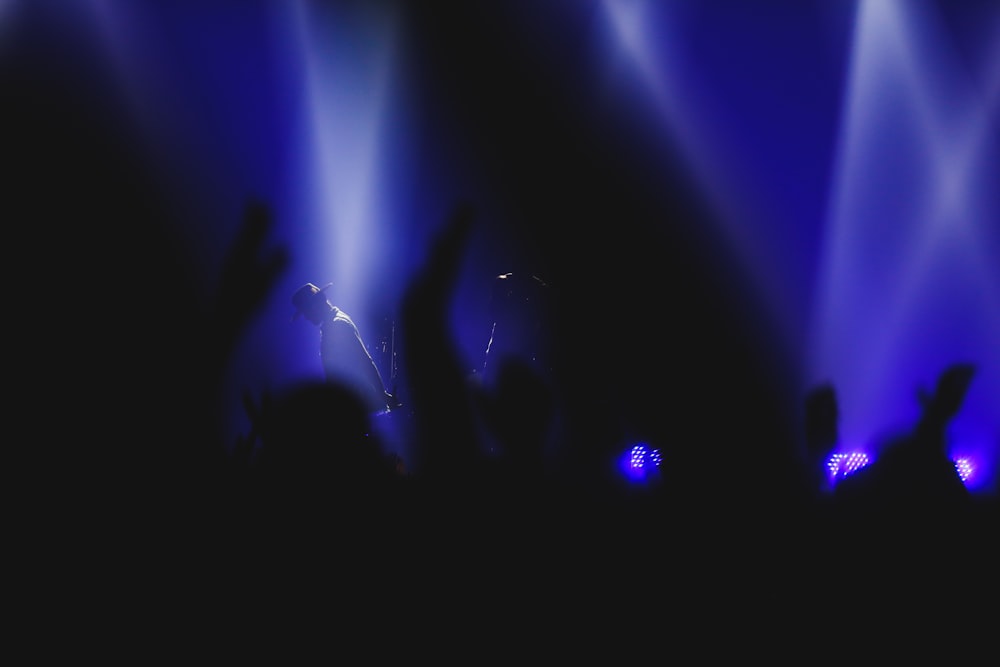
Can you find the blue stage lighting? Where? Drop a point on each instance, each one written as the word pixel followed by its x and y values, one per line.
pixel 965 468
pixel 842 464
pixel 640 463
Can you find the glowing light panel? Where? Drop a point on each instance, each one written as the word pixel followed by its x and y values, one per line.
pixel 842 464
pixel 965 468
pixel 640 462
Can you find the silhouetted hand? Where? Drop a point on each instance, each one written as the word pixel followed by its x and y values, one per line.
pixel 952 386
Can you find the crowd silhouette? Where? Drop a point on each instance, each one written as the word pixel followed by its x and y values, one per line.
pixel 506 498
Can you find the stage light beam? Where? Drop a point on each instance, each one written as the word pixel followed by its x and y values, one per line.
pixel 349 64
pixel 893 257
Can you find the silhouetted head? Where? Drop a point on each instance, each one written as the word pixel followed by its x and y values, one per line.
pixel 310 302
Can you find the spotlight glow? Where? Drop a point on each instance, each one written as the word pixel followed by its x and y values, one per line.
pixel 349 63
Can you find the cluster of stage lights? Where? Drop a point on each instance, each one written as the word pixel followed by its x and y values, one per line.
pixel 964 467
pixel 843 464
pixel 641 461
